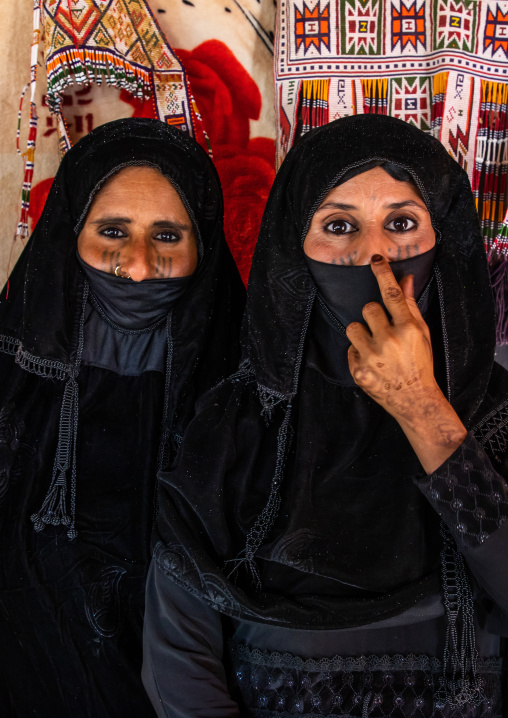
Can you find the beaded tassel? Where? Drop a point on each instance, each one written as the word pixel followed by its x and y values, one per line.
pixel 22 229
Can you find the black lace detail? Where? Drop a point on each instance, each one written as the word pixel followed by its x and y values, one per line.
pixel 245 373
pixel 103 606
pixel 8 345
pixel 182 568
pixel 468 494
pixel 492 431
pixel 281 684
pixel 15 453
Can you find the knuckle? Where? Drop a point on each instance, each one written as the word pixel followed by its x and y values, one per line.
pixel 371 307
pixel 353 328
pixel 362 376
pixel 394 293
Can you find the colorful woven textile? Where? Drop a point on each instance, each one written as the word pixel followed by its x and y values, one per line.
pixel 120 43
pixel 441 65
pixel 117 42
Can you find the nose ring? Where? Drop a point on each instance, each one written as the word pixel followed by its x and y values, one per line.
pixel 119 272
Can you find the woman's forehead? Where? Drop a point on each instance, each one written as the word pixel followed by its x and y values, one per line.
pixel 372 185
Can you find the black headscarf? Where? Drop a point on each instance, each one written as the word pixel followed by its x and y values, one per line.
pixel 44 329
pixel 308 482
pixel 80 444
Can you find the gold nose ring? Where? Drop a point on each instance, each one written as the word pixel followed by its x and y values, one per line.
pixel 119 272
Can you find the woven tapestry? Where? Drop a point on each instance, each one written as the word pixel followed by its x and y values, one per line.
pixel 116 42
pixel 441 65
pixel 120 43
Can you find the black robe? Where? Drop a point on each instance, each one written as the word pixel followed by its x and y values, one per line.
pixel 297 502
pixel 72 594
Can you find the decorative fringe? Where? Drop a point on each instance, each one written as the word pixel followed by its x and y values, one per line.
pixel 46 368
pixel 375 96
pixel 491 160
pixel 314 103
pixel 500 246
pixel 8 345
pixel 439 84
pixel 86 65
pixel 460 684
pixel 499 279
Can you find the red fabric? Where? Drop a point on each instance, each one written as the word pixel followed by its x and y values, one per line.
pixel 38 195
pixel 227 98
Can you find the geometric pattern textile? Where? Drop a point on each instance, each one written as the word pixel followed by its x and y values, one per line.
pixel 441 65
pixel 118 42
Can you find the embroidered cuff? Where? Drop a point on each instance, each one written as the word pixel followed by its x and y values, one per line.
pixel 468 494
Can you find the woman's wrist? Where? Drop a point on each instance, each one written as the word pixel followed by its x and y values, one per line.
pixel 433 429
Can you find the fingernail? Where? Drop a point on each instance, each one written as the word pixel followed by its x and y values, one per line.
pixel 376 258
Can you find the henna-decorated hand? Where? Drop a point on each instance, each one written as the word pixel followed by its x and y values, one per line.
pixel 393 364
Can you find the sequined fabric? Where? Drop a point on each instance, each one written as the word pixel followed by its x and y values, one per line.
pixel 468 494
pixel 282 685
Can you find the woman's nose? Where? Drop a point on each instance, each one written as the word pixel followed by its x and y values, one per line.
pixel 136 259
pixel 374 242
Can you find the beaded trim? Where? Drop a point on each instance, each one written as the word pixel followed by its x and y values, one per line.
pixel 46 368
pixel 347 664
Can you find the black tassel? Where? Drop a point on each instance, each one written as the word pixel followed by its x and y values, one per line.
pixel 54 507
pixel 460 684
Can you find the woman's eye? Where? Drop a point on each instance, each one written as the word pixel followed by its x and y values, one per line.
pixel 401 224
pixel 113 233
pixel 340 226
pixel 167 236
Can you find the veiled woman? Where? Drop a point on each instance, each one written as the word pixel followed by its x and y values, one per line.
pixel 124 307
pixel 335 522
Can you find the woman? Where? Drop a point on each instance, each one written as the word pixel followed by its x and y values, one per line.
pixel 318 539
pixel 123 308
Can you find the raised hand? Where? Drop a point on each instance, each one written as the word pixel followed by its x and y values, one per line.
pixel 391 361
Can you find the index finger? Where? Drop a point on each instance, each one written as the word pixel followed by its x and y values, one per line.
pixel 391 293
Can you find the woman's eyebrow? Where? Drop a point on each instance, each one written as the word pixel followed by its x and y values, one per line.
pixel 406 203
pixel 336 205
pixel 172 224
pixel 101 220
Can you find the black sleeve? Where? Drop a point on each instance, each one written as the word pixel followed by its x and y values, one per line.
pixel 472 499
pixel 183 672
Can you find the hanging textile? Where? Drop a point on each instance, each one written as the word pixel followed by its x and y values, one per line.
pixel 116 42
pixel 119 43
pixel 441 65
